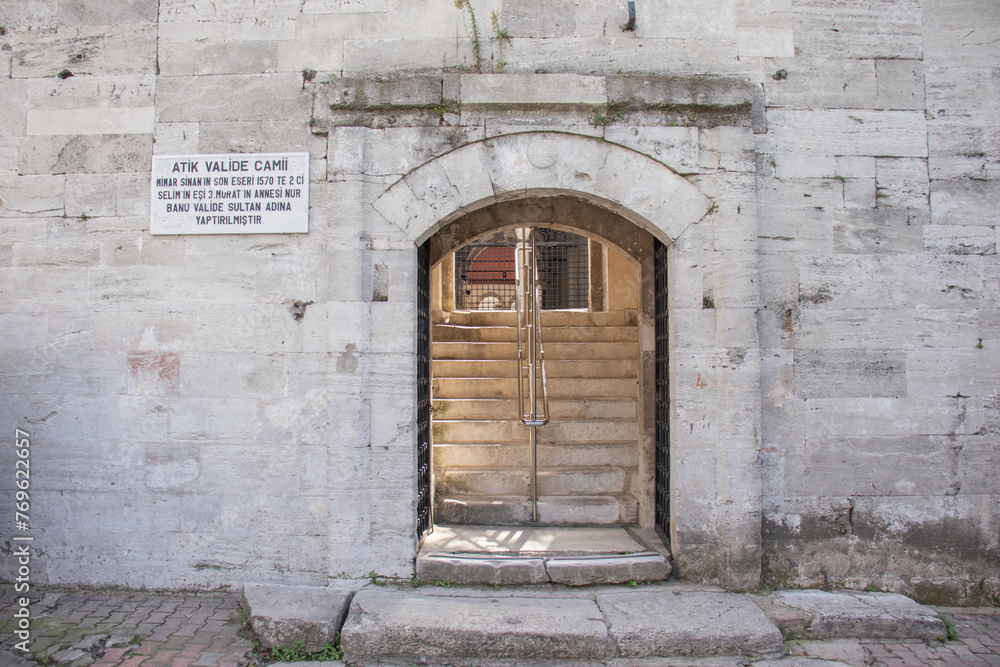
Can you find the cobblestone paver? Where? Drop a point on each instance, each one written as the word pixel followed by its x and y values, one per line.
pixel 95 628
pixel 978 644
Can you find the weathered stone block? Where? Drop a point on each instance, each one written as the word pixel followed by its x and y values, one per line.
pixel 283 616
pixel 612 54
pixel 691 91
pixel 894 416
pixel 94 50
pixel 137 120
pixel 821 82
pixel 401 625
pixel 605 569
pixel 319 55
pixel 676 147
pixel 902 182
pixel 850 132
pixel 831 373
pixel 237 97
pixel 172 466
pixel 766 42
pixel 688 623
pixel 13 105
pixel 878 231
pixel 115 12
pixel 230 57
pixel 856 614
pixel 960 239
pixel 697 19
pixel 964 202
pixel 824 28
pixel 900 281
pixel 476 569
pixel 371 57
pixel 900 84
pixel 31 195
pixel 87 154
pixel 533 89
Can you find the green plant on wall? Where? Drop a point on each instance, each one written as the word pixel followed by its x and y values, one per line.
pixel 499 36
pixel 473 29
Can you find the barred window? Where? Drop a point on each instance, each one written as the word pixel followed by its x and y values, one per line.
pixel 485 273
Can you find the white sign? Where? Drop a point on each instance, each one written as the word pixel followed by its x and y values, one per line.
pixel 264 193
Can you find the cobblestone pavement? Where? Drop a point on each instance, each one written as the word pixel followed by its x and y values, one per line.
pixel 129 628
pixel 102 628
pixel 978 644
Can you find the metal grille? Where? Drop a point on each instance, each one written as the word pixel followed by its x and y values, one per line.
pixel 662 391
pixel 423 391
pixel 485 275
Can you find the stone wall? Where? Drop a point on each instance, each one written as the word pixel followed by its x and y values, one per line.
pixel 210 410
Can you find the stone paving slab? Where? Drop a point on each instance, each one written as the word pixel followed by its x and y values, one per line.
pixel 695 623
pixel 286 615
pixel 389 624
pixel 814 614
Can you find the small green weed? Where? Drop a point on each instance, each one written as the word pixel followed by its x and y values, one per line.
pixel 443 584
pixel 632 583
pixel 477 47
pixel 416 583
pixel 298 652
pixel 952 636
pixel 375 578
pixel 499 36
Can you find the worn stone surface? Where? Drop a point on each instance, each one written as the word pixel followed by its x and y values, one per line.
pixel 690 623
pixel 408 626
pixel 286 615
pixel 846 614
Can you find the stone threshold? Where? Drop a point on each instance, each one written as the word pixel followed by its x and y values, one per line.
pixel 517 555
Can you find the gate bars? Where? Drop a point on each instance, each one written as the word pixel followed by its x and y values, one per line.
pixel 530 353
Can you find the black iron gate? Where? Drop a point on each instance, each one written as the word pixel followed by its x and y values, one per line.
pixel 423 391
pixel 662 391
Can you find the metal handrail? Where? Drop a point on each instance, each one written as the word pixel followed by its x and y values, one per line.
pixel 530 354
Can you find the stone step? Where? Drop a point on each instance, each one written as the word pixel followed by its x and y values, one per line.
pixel 553 351
pixel 558 388
pixel 406 626
pixel 666 623
pixel 464 455
pixel 550 318
pixel 502 555
pixel 494 431
pixel 589 510
pixel 554 368
pixel 584 570
pixel 584 334
pixel 494 408
pixel 564 481
pixel 390 625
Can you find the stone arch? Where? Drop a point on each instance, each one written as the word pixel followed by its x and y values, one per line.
pixel 533 164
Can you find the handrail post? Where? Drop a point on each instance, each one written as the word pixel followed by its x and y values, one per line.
pixel 530 361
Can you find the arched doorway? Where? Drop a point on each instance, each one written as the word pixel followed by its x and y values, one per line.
pixel 597 456
pixel 714 369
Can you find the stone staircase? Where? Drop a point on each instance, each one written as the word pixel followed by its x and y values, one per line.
pixel 587 454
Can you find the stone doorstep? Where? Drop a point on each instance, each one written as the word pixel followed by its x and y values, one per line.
pixel 629 624
pixel 285 615
pixel 582 570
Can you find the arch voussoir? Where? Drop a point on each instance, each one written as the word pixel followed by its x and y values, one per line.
pixel 507 167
